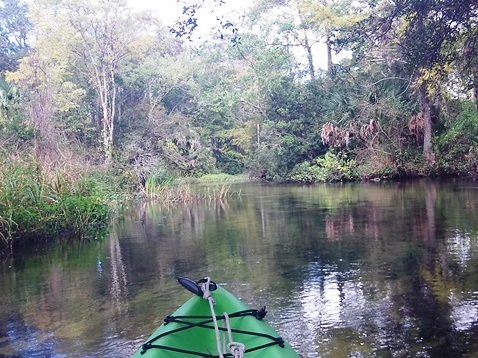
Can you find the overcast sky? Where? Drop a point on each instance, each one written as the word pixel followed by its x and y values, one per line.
pixel 167 10
pixel 170 10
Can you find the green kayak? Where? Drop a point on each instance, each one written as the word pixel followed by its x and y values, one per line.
pixel 234 330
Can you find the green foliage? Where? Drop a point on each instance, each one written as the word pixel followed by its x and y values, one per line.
pixel 458 144
pixel 221 178
pixel 14 29
pixel 233 148
pixel 162 111
pixel 157 181
pixel 332 167
pixel 184 192
pixel 38 204
pixel 292 131
pixel 12 127
pixel 82 214
pixel 381 166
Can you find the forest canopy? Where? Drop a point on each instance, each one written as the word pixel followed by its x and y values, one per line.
pixel 98 84
pixel 100 103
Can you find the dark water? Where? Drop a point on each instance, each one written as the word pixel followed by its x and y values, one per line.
pixel 369 270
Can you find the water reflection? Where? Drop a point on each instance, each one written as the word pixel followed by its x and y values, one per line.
pixel 462 248
pixel 372 270
pixel 119 281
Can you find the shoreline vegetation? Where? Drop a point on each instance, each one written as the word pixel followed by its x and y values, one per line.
pixel 50 202
pixel 46 202
pixel 101 105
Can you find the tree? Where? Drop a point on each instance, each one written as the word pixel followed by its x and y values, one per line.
pixel 468 60
pixel 188 21
pixel 425 36
pixel 232 93
pixel 80 48
pixel 285 24
pixel 43 78
pixel 14 30
pixel 107 32
pixel 158 131
pixel 13 131
pixel 330 20
pixel 430 42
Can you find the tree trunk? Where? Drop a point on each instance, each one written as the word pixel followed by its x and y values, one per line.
pixel 475 91
pixel 428 154
pixel 307 46
pixel 106 88
pixel 328 43
pixel 310 58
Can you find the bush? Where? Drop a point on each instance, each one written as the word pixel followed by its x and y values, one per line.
pixel 329 168
pixel 456 146
pixel 48 203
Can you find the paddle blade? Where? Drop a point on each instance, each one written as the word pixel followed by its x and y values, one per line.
pixel 195 287
pixel 190 285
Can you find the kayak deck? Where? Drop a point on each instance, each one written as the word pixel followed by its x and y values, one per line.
pixel 190 331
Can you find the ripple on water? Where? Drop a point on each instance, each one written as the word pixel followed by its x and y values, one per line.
pixel 340 316
pixel 26 341
pixel 464 313
pixel 462 247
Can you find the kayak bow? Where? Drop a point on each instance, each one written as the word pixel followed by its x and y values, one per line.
pixel 214 324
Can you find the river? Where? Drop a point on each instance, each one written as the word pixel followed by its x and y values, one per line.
pixel 345 270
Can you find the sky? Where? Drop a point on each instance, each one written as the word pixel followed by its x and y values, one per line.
pixel 169 10
pixel 166 10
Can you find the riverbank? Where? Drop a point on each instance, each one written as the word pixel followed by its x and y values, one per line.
pixel 42 201
pixel 47 202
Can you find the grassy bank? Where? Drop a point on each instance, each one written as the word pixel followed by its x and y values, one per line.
pixel 49 201
pixel 184 190
pixel 46 202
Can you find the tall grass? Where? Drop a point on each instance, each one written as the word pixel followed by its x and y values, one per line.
pixel 172 193
pixel 168 192
pixel 47 202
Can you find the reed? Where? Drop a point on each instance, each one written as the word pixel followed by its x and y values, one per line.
pixel 47 202
pixel 168 192
pixel 184 192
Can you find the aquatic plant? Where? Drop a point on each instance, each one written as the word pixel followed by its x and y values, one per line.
pixel 39 202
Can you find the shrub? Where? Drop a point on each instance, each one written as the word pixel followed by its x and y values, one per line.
pixel 331 167
pixel 38 203
pixel 456 145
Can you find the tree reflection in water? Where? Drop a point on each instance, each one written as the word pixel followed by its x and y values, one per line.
pixel 369 270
